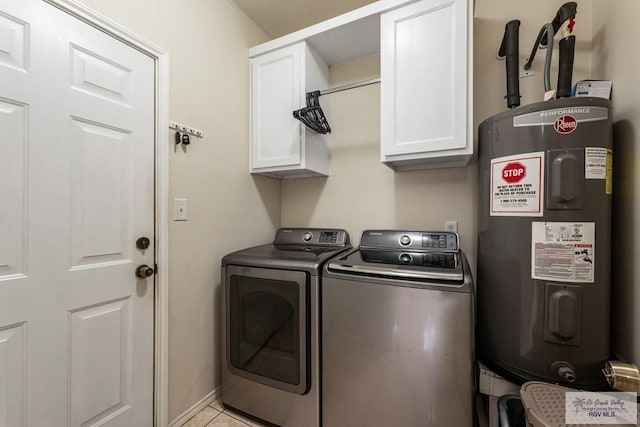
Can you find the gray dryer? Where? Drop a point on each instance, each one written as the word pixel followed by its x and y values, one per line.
pixel 271 366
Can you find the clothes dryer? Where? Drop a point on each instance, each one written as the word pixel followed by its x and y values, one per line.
pixel 271 366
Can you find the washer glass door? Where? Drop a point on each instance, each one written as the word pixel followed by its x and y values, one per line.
pixel 267 318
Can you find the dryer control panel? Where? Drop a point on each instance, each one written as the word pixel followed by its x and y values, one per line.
pixel 312 237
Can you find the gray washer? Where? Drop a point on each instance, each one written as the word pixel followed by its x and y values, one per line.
pixel 398 333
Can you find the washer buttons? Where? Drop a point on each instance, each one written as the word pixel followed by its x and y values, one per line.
pixel 406 258
pixel 405 240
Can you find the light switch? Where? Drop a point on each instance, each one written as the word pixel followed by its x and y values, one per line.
pixel 179 209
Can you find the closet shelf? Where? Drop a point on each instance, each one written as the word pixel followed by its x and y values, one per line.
pixel 349 36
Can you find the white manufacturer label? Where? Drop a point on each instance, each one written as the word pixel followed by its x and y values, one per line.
pixel 595 163
pixel 517 184
pixel 563 251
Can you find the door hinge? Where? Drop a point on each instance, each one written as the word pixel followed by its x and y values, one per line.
pixel 155 268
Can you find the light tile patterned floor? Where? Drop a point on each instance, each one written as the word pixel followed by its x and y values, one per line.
pixel 215 415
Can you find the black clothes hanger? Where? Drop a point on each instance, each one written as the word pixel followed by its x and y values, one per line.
pixel 312 115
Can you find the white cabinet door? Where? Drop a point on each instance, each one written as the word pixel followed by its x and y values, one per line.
pixel 281 146
pixel 277 90
pixel 424 94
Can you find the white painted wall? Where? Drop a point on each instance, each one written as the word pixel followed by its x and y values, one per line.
pixel 489 73
pixel 362 193
pixel 228 209
pixel 615 57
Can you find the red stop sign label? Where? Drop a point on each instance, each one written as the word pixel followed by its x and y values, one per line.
pixel 513 172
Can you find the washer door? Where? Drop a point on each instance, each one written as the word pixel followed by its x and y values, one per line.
pixel 267 326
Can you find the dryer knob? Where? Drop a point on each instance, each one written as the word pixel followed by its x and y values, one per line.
pixel 406 258
pixel 405 240
pixel 307 236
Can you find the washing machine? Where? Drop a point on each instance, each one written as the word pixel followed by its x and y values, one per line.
pixel 270 341
pixel 398 332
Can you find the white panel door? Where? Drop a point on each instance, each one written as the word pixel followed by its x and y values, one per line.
pixel 76 192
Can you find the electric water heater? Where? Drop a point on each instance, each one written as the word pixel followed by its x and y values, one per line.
pixel 544 241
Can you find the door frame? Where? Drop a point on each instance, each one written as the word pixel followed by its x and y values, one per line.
pixel 161 179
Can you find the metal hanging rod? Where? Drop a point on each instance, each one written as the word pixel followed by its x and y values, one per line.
pixel 312 115
pixel 350 86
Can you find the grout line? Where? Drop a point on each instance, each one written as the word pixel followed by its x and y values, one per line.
pixel 214 418
pixel 230 416
pixel 233 415
pixel 219 401
pixel 202 411
pixel 237 419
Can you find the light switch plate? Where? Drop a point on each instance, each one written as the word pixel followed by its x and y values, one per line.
pixel 179 209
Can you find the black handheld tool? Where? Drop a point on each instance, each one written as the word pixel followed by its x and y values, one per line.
pixel 567 11
pixel 565 66
pixel 509 49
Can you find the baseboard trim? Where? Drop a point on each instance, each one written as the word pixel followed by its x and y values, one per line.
pixel 199 406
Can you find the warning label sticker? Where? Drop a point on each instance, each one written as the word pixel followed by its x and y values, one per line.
pixel 517 185
pixel 598 164
pixel 609 182
pixel 595 163
pixel 563 251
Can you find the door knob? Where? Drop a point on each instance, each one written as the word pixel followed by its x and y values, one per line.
pixel 144 271
pixel 143 243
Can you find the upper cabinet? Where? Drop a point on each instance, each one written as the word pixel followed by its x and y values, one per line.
pixel 281 146
pixel 425 53
pixel 425 94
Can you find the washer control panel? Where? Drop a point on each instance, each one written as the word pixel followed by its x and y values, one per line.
pixel 414 240
pixel 405 240
pixel 446 241
pixel 430 259
pixel 312 237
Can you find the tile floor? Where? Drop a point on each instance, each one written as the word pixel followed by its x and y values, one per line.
pixel 215 415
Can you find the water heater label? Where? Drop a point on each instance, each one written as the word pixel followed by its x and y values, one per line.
pixel 563 120
pixel 598 164
pixel 595 162
pixel 517 184
pixel 563 251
